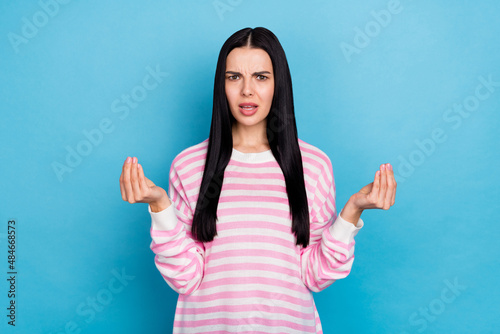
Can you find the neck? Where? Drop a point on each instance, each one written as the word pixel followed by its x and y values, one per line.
pixel 250 138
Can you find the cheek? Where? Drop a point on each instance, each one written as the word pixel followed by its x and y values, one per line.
pixel 268 94
pixel 230 95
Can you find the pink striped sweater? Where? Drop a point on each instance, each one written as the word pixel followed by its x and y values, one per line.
pixel 251 278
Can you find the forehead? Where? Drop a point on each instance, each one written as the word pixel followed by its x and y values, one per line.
pixel 248 59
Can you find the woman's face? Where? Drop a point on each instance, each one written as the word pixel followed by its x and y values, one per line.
pixel 249 85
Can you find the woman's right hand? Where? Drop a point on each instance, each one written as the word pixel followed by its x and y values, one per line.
pixel 137 188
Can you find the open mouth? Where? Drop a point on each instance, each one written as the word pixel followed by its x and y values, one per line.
pixel 248 108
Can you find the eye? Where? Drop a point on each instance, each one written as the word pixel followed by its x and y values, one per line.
pixel 232 77
pixel 261 77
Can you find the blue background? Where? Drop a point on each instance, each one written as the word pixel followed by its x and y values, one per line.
pixel 379 104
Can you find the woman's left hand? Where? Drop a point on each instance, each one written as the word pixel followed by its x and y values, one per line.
pixel 380 194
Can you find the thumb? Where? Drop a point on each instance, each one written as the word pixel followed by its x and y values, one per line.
pixel 367 189
pixel 143 177
pixel 149 182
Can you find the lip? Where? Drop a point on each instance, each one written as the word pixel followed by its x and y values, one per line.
pixel 248 104
pixel 248 112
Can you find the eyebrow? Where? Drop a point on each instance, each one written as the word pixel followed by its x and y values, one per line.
pixel 255 73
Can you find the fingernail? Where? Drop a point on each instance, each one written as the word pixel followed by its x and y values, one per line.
pixel 134 160
pixel 389 166
pixel 128 160
pixel 383 167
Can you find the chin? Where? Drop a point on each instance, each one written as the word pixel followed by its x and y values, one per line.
pixel 247 122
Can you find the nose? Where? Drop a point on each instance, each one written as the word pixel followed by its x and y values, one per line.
pixel 247 89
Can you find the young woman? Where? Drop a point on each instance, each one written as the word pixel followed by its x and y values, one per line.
pixel 251 229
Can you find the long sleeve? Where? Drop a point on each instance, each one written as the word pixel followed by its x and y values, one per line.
pixel 330 253
pixel 179 257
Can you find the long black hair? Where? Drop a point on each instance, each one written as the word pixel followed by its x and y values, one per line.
pixel 281 134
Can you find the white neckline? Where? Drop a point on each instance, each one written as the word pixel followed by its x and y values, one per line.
pixel 263 156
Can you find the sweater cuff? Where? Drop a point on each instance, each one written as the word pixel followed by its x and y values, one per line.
pixel 345 231
pixel 165 220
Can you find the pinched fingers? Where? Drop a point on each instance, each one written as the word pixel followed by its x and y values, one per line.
pixel 387 186
pixel 380 194
pixel 129 181
pixel 135 187
pixel 384 188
